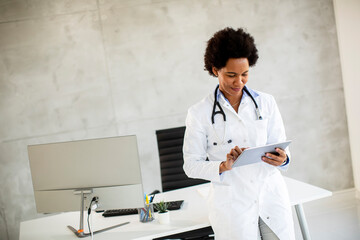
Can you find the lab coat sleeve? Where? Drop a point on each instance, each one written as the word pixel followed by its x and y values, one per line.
pixel 194 150
pixel 276 129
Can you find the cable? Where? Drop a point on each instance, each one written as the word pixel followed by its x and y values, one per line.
pixel 89 224
pixel 92 234
pixel 91 206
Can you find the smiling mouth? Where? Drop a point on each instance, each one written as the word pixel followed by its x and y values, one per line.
pixel 236 89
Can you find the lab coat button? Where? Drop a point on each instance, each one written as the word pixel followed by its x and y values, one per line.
pixel 267 217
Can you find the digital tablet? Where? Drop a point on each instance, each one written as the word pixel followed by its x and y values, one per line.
pixel 254 154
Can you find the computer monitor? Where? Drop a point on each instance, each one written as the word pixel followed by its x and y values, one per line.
pixel 67 175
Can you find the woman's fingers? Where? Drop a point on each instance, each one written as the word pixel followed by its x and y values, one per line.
pixel 281 152
pixel 274 159
pixel 232 156
pixel 236 151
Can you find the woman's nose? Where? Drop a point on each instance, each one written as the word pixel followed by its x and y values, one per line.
pixel 239 79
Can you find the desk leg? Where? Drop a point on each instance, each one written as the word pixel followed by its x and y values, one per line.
pixel 302 221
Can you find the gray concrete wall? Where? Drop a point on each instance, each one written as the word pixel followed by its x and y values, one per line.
pixel 84 69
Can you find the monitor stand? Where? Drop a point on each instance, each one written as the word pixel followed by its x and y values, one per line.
pixel 80 233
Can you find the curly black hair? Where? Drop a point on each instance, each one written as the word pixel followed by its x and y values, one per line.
pixel 229 43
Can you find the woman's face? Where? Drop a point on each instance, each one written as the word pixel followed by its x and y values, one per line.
pixel 233 77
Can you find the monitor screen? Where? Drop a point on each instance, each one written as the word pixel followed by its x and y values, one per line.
pixel 108 168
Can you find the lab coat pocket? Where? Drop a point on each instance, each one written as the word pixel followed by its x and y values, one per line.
pixel 261 131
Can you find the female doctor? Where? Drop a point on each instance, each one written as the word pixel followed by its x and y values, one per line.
pixel 250 201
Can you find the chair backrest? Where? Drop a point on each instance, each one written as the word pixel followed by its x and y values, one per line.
pixel 170 144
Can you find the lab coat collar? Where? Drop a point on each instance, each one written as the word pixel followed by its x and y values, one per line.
pixel 244 96
pixel 252 92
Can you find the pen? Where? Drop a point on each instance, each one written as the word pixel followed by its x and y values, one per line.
pixel 148 203
pixel 143 214
pixel 148 214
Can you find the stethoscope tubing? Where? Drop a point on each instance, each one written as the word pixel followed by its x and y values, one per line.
pixel 216 103
pixel 221 111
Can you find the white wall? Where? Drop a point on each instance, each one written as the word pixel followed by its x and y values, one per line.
pixel 347 13
pixel 78 69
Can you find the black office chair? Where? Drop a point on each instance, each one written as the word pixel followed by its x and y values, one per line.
pixel 170 143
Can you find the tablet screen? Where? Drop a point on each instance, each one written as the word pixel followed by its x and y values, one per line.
pixel 253 155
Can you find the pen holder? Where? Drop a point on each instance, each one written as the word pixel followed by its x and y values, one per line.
pixel 146 214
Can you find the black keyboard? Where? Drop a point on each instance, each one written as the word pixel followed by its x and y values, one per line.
pixel 172 205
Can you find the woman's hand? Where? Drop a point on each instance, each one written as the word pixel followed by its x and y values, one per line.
pixel 275 160
pixel 230 159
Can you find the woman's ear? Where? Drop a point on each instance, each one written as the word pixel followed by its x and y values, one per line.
pixel 215 71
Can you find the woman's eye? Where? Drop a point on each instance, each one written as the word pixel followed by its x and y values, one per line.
pixel 231 76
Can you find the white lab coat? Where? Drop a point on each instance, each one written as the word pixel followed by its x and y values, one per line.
pixel 238 197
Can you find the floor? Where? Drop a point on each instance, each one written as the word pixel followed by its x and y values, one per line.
pixel 333 218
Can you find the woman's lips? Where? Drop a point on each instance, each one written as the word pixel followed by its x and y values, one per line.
pixel 236 89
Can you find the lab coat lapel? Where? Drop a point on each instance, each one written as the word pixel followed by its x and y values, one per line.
pixel 226 106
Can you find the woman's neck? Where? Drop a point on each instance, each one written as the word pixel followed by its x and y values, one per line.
pixel 233 100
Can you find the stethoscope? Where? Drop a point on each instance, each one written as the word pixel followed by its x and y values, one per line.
pixel 221 111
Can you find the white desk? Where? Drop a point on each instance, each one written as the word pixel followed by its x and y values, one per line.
pixel 193 215
pixel 300 193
